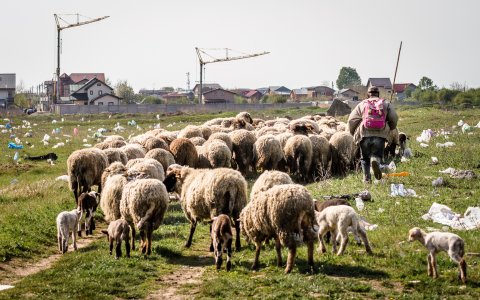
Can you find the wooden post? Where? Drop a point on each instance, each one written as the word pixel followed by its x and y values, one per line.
pixel 396 68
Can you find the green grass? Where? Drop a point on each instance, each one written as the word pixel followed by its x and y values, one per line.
pixel 397 269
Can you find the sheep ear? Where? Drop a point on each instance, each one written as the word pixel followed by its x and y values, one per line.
pixel 170 182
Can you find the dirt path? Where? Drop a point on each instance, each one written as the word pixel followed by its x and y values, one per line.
pixel 16 269
pixel 173 282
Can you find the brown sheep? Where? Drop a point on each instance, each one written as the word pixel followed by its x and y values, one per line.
pixel 184 152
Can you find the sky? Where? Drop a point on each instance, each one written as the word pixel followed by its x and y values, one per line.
pixel 151 44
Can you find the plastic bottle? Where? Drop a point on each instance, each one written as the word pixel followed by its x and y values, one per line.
pixel 359 203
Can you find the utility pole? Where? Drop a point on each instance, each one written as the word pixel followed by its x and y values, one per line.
pixel 215 60
pixel 188 81
pixel 59 29
pixel 395 75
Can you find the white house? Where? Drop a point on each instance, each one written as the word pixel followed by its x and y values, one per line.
pixel 95 92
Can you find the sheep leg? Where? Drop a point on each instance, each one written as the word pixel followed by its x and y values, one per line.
pixel 429 266
pixel 344 241
pixel 321 247
pixel 278 248
pixel 333 238
pixel 133 236
pixel 79 224
pixel 461 264
pixel 363 236
pixel 229 254
pixel 211 240
pixel 149 239
pixel 433 263
pixel 143 242
pixel 258 247
pixel 59 240
pixel 118 249
pixel 292 252
pixel 193 225
pixel 110 240
pixel 463 270
pixel 218 254
pixel 74 238
pixel 127 246
pixel 237 234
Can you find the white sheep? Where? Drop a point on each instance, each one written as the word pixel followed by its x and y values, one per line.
pixel 67 222
pixel 267 180
pixel 436 242
pixel 267 153
pixel 337 219
pixel 111 196
pixel 118 231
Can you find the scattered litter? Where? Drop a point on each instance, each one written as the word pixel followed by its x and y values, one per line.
pixel 381 210
pixel 365 195
pixel 460 123
pixel 463 174
pixel 58 145
pixel 87 145
pixel 14 181
pixel 445 145
pixel 75 131
pixel 28 134
pixel 425 136
pixel 102 130
pixel 118 128
pixel 423 145
pixel 367 225
pixel 466 128
pixel 359 203
pixel 52 156
pixel 132 123
pixel 442 214
pixel 478 125
pixel 448 171
pixel 437 182
pixel 54 121
pixel 407 153
pixel 85 140
pixel 404 159
pixel 158 118
pixel 400 174
pixel 62 178
pixel 12 145
pixel 5 287
pixel 50 162
pixel 434 160
pixel 16 156
pixel 46 138
pixel 399 190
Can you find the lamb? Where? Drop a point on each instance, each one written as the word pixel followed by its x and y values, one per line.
pixel 343 150
pixel 221 234
pixel 111 197
pixel 298 155
pixel 267 180
pixel 242 147
pixel 284 212
pixel 206 194
pixel 133 151
pixel 184 152
pixel 67 222
pixel 87 205
pixel 118 231
pixel 143 205
pixel 337 219
pixel 115 154
pixel 436 242
pixel 85 168
pixel 267 153
pixel 162 156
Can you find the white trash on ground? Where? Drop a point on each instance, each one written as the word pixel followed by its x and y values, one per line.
pixel 400 190
pixel 367 225
pixel 442 214
pixel 5 287
pixel 359 204
pixel 466 128
pixel 445 145
pixel 425 136
pixel 423 145
pixel 478 125
pixel 434 160
pixel 460 123
pixel 62 178
pixel 437 182
pixel 448 171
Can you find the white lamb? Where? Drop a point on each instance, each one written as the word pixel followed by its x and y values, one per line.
pixel 67 222
pixel 337 220
pixel 436 242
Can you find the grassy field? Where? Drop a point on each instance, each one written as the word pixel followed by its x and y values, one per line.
pixel 30 199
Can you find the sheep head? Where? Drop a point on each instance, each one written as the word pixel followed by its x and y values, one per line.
pixel 416 234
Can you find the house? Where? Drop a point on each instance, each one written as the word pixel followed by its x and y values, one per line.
pixel 384 83
pixel 253 96
pixel 205 88
pixel 155 93
pixel 400 89
pixel 299 94
pixel 219 96
pixel 95 92
pixel 7 87
pixel 320 92
pixel 347 94
pixel 176 96
pixel 72 82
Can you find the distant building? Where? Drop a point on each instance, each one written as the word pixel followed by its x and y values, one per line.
pixel 384 83
pixel 188 95
pixel 206 87
pixel 253 96
pixel 400 89
pixel 219 96
pixel 320 92
pixel 347 94
pixel 72 82
pixel 7 87
pixel 156 93
pixel 95 92
pixel 275 90
pixel 299 94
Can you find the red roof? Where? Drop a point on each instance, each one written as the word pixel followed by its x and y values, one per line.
pixel 251 93
pixel 76 77
pixel 401 87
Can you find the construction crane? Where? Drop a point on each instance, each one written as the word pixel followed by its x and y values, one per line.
pixel 59 29
pixel 215 60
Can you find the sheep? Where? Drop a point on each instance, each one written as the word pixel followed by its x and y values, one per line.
pixel 217 153
pixel 110 144
pixel 303 126
pixel 67 222
pixel 245 116
pixel 242 148
pixel 113 169
pixel 202 160
pixel 149 166
pixel 268 131
pixel 197 140
pixel 154 143
pixel 206 194
pixel 436 242
pixel 143 205
pixel 167 136
pixel 222 136
pixel 162 156
pixel 111 138
pixel 343 150
pixel 111 197
pixel 391 143
pixel 298 155
pixel 85 168
pixel 402 138
pixel 184 152
pixel 87 204
pixel 320 206
pixel 118 231
pixel 258 123
pixel 221 234
pixel 133 151
pixel 115 154
pixel 241 124
pixel 267 180
pixel 337 219
pixel 284 212
pixel 267 153
pixel 320 156
pixel 190 131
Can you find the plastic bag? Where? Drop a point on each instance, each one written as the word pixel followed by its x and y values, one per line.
pixel 359 203
pixel 12 145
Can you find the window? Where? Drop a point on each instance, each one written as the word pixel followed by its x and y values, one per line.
pixel 100 92
pixel 91 92
pixel 110 103
pixel 99 84
pixel 100 103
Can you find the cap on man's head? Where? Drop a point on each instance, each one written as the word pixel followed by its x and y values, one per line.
pixel 373 89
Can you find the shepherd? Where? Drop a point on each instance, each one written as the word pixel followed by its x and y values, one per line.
pixel 370 123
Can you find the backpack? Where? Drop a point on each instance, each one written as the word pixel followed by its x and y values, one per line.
pixel 374 116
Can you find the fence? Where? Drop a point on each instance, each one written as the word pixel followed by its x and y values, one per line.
pixel 172 108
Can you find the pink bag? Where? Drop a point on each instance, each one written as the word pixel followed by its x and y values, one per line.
pixel 374 116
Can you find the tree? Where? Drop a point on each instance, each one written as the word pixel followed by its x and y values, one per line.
pixel 446 95
pixel 125 91
pixel 457 86
pixel 348 77
pixel 426 83
pixel 21 100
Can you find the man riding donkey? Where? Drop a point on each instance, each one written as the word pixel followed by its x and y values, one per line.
pixel 370 123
